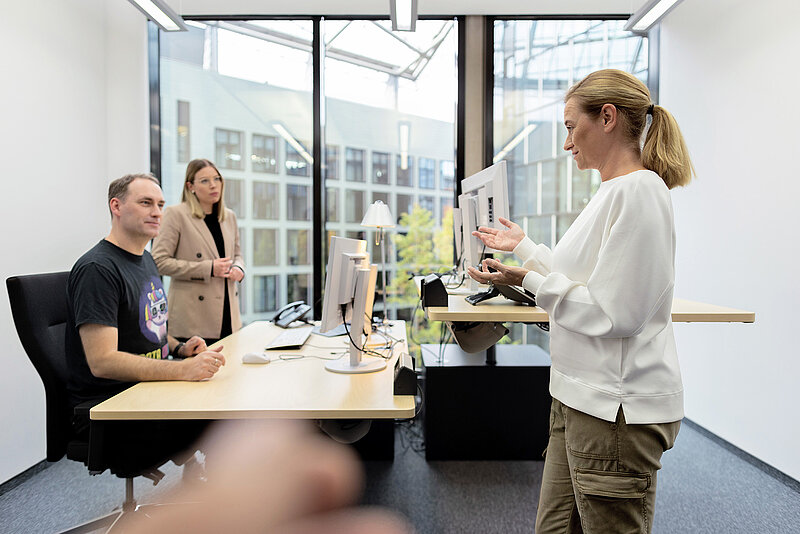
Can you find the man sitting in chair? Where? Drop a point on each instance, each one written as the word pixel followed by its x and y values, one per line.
pixel 117 334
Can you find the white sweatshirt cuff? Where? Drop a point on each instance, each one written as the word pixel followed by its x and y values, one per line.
pixel 525 248
pixel 532 282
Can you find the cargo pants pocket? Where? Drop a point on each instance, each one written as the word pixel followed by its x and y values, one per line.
pixel 612 501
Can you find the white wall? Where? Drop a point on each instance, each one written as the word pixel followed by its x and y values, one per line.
pixel 731 80
pixel 74 108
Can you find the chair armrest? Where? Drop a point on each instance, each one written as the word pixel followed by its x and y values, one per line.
pixel 84 407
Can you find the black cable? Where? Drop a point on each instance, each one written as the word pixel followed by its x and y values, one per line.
pixel 363 349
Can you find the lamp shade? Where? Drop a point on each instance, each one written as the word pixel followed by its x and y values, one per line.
pixel 378 215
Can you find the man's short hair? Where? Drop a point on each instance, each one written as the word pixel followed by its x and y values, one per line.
pixel 119 187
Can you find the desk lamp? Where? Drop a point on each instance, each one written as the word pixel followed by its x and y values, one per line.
pixel 378 216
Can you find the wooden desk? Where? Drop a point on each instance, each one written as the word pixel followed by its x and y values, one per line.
pixel 500 309
pixel 289 389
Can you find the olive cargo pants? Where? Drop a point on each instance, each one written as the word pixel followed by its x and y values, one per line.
pixel 599 476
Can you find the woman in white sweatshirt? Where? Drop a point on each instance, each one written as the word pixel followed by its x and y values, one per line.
pixel 607 286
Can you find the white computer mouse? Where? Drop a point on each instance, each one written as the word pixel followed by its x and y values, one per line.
pixel 256 357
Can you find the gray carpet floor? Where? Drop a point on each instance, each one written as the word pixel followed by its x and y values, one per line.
pixel 702 488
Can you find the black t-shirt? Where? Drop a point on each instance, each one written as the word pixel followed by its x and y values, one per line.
pixel 112 287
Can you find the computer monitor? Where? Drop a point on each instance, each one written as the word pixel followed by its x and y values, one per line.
pixel 349 295
pixel 490 188
pixel 483 200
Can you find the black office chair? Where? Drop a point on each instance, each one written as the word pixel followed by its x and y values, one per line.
pixel 39 307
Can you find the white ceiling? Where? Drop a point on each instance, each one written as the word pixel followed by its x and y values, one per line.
pixel 425 7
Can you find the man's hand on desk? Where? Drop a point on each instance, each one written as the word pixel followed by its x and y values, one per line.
pixel 502 275
pixel 203 365
pixel 273 476
pixel 195 345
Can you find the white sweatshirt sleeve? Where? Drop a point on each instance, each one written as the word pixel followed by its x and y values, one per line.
pixel 633 274
pixel 534 257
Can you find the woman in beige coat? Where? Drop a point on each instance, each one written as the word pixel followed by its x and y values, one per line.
pixel 198 247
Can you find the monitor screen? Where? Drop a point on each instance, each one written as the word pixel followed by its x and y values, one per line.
pixel 483 200
pixel 349 294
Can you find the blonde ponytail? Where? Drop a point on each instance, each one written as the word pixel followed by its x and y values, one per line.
pixel 664 150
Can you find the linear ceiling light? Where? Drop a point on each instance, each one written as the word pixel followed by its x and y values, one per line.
pixel 649 15
pixel 403 14
pixel 159 12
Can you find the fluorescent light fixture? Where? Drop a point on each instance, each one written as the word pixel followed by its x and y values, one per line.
pixel 403 14
pixel 159 12
pixel 514 142
pixel 283 132
pixel 649 15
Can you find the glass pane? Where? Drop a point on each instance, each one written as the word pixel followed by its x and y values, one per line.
pixel 265 246
pixel 298 247
pixel 427 173
pixel 298 287
pixel 390 102
pixel 266 293
pixel 380 168
pixel 354 165
pixel 264 155
pixel 332 201
pixel 265 201
pixel 405 170
pixel 234 196
pixel 298 202
pixel 331 162
pixel 248 86
pixel 447 171
pixel 354 206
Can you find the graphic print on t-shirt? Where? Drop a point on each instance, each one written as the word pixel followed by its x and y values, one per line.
pixel 153 311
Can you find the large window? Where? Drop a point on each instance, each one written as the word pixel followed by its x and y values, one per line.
pixel 535 62
pixel 229 149
pixel 388 98
pixel 265 153
pixel 249 88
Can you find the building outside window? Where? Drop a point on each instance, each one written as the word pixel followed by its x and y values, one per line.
pixel 254 83
pixel 354 206
pixel 427 173
pixel 234 196
pixel 447 172
pixel 265 153
pixel 266 201
pixel 380 168
pixel 229 149
pixel 405 203
pixel 265 247
pixel 427 202
pixel 184 150
pixel 298 200
pixel 266 293
pixel 332 204
pixel 405 170
pixel 331 162
pixel 298 287
pixel 298 247
pixel 354 164
pixel 296 162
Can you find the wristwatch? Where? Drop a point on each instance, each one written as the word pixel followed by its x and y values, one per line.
pixel 178 347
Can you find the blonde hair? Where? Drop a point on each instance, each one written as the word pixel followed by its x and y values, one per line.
pixel 664 151
pixel 194 205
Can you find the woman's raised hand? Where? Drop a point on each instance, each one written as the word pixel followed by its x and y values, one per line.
pixel 506 240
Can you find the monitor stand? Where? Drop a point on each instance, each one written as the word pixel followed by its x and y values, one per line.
pixel 358 362
pixel 338 331
pixel 366 364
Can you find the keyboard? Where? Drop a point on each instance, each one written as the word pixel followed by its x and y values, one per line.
pixel 291 338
